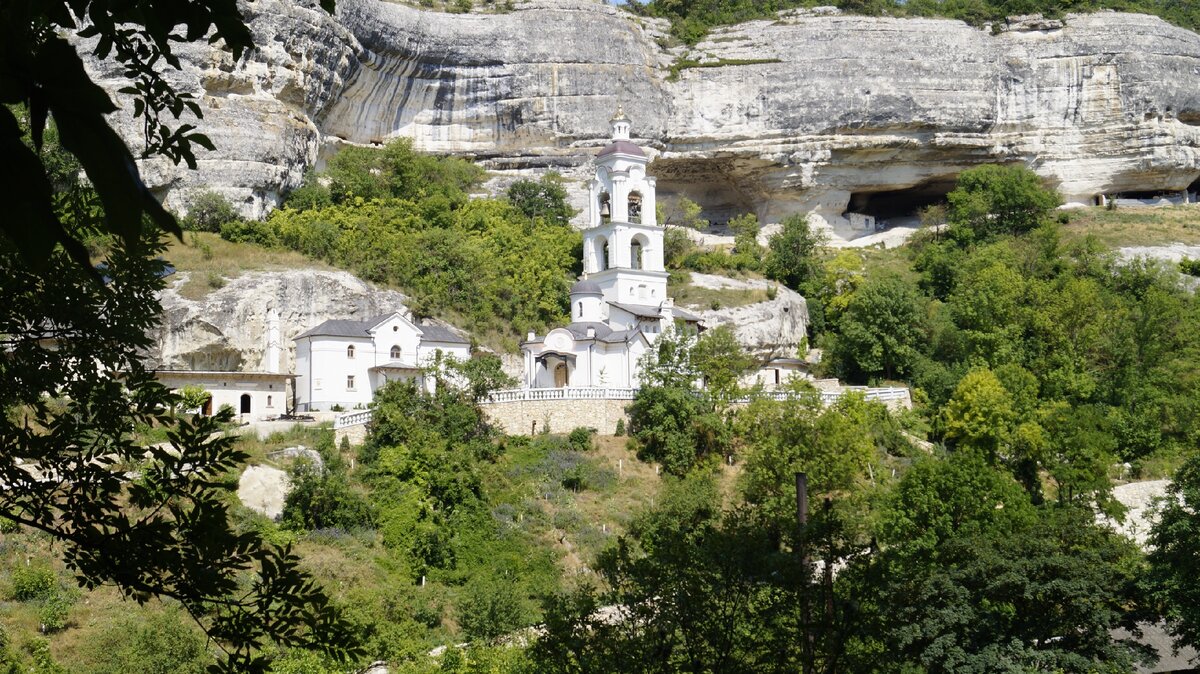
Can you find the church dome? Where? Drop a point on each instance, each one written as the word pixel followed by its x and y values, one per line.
pixel 586 287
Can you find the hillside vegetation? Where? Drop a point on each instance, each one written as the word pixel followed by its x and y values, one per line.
pixel 692 19
pixel 394 216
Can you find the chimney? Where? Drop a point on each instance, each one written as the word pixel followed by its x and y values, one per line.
pixel 591 332
pixel 531 336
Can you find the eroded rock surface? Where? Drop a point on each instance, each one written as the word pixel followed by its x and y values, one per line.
pixel 815 112
pixel 772 328
pixel 227 329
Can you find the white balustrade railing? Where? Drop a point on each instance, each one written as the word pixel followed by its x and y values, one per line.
pixel 565 393
pixel 351 419
pixel 545 394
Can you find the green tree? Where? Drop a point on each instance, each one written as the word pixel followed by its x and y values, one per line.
pixel 720 361
pixel 794 254
pixel 544 198
pixel 1043 597
pixel 1174 556
pixel 879 332
pixel 72 383
pixel 980 414
pixel 745 235
pixel 992 200
pixel 209 212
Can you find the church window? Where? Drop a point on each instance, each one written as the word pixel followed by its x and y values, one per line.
pixel 635 207
pixel 396 352
pixel 605 207
pixel 579 309
pixel 269 402
pixel 635 255
pixel 350 351
pixel 604 255
pixel 350 382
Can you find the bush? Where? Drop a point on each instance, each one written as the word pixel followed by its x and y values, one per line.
pixel 580 439
pixel 33 583
pixel 249 231
pixel 620 427
pixel 208 212
pixel 491 608
pixel 55 611
pixel 1189 266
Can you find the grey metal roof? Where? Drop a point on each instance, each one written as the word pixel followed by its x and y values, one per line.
pixel 348 328
pixel 639 310
pixel 624 147
pixel 338 328
pixel 685 315
pixel 436 333
pixel 618 336
pixel 579 330
pixel 586 287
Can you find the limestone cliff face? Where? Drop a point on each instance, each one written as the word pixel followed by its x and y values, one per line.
pixel 814 112
pixel 227 329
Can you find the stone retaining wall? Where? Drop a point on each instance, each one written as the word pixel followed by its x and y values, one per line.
pixel 561 416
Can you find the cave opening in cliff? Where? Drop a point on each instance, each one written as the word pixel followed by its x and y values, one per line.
pixel 1195 186
pixel 902 203
pixel 719 187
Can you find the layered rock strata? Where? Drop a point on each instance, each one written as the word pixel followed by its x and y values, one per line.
pixel 814 112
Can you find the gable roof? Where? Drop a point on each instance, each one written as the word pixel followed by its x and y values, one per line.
pixel 350 328
pixel 436 333
pixel 640 310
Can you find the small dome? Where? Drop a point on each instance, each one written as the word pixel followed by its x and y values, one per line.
pixel 586 287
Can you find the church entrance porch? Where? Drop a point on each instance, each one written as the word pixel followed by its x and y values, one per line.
pixel 554 370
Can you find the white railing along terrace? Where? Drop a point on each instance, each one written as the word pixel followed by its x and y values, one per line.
pixel 351 419
pixel 543 394
pixel 565 393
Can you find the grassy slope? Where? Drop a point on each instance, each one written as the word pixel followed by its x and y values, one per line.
pixel 1136 226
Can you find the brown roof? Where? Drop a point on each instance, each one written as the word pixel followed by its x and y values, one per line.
pixel 624 147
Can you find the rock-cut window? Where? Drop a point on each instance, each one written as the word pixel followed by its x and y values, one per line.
pixel 350 351
pixel 396 352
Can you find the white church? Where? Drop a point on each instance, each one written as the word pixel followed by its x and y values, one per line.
pixel 620 305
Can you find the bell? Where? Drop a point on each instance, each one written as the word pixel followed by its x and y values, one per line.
pixel 604 209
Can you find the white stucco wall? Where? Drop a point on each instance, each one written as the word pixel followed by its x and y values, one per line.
pixel 267 397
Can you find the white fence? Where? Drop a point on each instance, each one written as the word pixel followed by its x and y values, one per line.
pixel 528 394
pixel 883 395
pixel 352 419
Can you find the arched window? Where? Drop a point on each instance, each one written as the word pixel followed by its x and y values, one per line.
pixel 605 207
pixel 269 404
pixel 635 207
pixel 604 256
pixel 396 352
pixel 350 351
pixel 579 309
pixel 635 255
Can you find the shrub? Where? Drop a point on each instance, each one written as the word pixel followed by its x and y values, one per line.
pixel 249 231
pixel 620 427
pixel 1189 266
pixel 208 212
pixel 54 612
pixel 491 608
pixel 32 583
pixel 580 439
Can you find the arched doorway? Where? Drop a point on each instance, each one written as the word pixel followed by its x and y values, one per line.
pixel 561 375
pixel 206 408
pixel 245 403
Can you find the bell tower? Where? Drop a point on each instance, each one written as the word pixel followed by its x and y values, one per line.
pixel 623 243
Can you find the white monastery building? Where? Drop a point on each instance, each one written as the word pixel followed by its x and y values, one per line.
pixel 620 305
pixel 343 362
